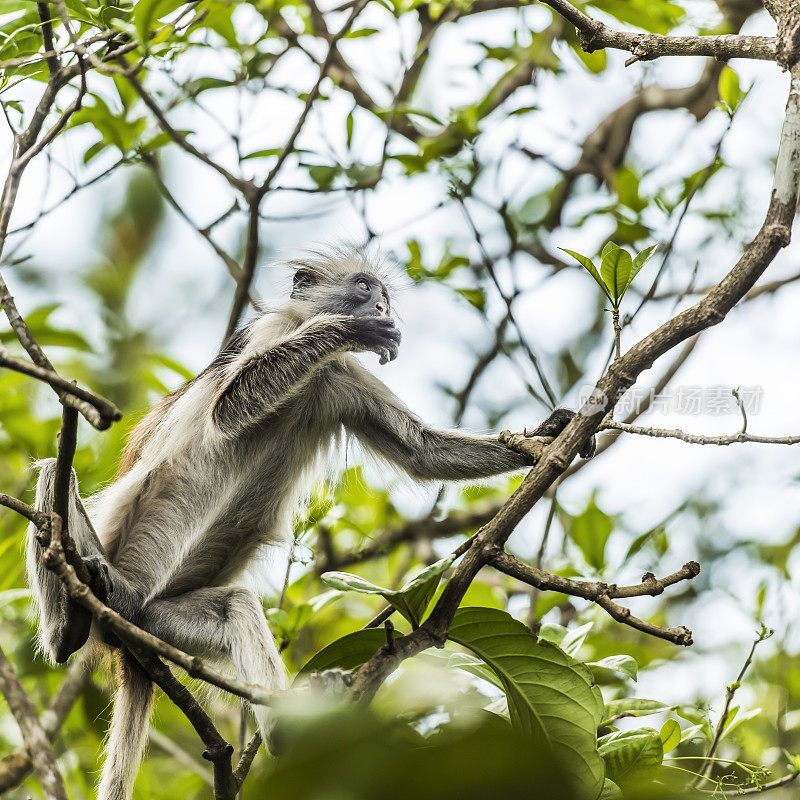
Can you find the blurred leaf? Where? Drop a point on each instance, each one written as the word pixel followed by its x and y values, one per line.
pixel 590 530
pixel 730 92
pixel 47 334
pixel 573 641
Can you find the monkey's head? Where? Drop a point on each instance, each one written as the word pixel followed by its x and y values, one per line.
pixel 340 283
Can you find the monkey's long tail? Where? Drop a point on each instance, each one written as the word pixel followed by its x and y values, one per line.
pixel 127 736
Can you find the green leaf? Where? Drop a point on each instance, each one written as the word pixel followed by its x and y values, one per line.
pixel 475 297
pixel 626 665
pixel 361 33
pixel 411 600
pixel 268 153
pixel 550 695
pixel 631 707
pixel 575 638
pixel 147 12
pixel 670 735
pixel 629 752
pixel 691 732
pixel 616 270
pixel 729 89
pixel 627 184
pixel 610 791
pixel 346 581
pixel 349 127
pixel 349 652
pixel 638 262
pixel 324 175
pixel 589 266
pixel 46 333
pixel 590 530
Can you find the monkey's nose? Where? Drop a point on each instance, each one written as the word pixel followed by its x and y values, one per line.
pixel 380 308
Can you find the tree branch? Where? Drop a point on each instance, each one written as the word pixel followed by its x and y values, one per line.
pixel 691 438
pixel 603 594
pixel 218 751
pixel 33 734
pixel 14 767
pixel 595 35
pixel 106 411
pixel 711 310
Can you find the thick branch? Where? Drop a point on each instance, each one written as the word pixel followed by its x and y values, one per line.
pixel 595 35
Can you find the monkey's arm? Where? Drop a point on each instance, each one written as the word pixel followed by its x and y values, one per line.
pixel 385 426
pixel 266 380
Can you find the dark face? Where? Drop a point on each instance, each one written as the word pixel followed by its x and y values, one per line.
pixel 368 296
pixel 358 294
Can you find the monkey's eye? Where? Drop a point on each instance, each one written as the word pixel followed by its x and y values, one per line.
pixel 362 284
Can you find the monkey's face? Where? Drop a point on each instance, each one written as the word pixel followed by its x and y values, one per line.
pixel 365 296
pixel 357 294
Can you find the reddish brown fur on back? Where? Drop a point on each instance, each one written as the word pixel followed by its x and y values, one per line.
pixel 143 430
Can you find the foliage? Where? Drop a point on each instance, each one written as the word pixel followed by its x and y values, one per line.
pixel 506 705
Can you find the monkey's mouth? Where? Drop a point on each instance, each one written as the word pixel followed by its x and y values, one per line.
pixel 371 313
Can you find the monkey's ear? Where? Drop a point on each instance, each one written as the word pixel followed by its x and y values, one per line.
pixel 303 278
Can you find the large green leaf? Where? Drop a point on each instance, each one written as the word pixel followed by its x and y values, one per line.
pixel 629 752
pixel 610 791
pixel 550 696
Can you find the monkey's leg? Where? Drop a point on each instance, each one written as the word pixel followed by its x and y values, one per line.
pixel 221 620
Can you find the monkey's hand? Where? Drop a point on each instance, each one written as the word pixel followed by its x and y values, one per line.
pixel 556 423
pixel 374 334
pixel 529 446
pixel 99 579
